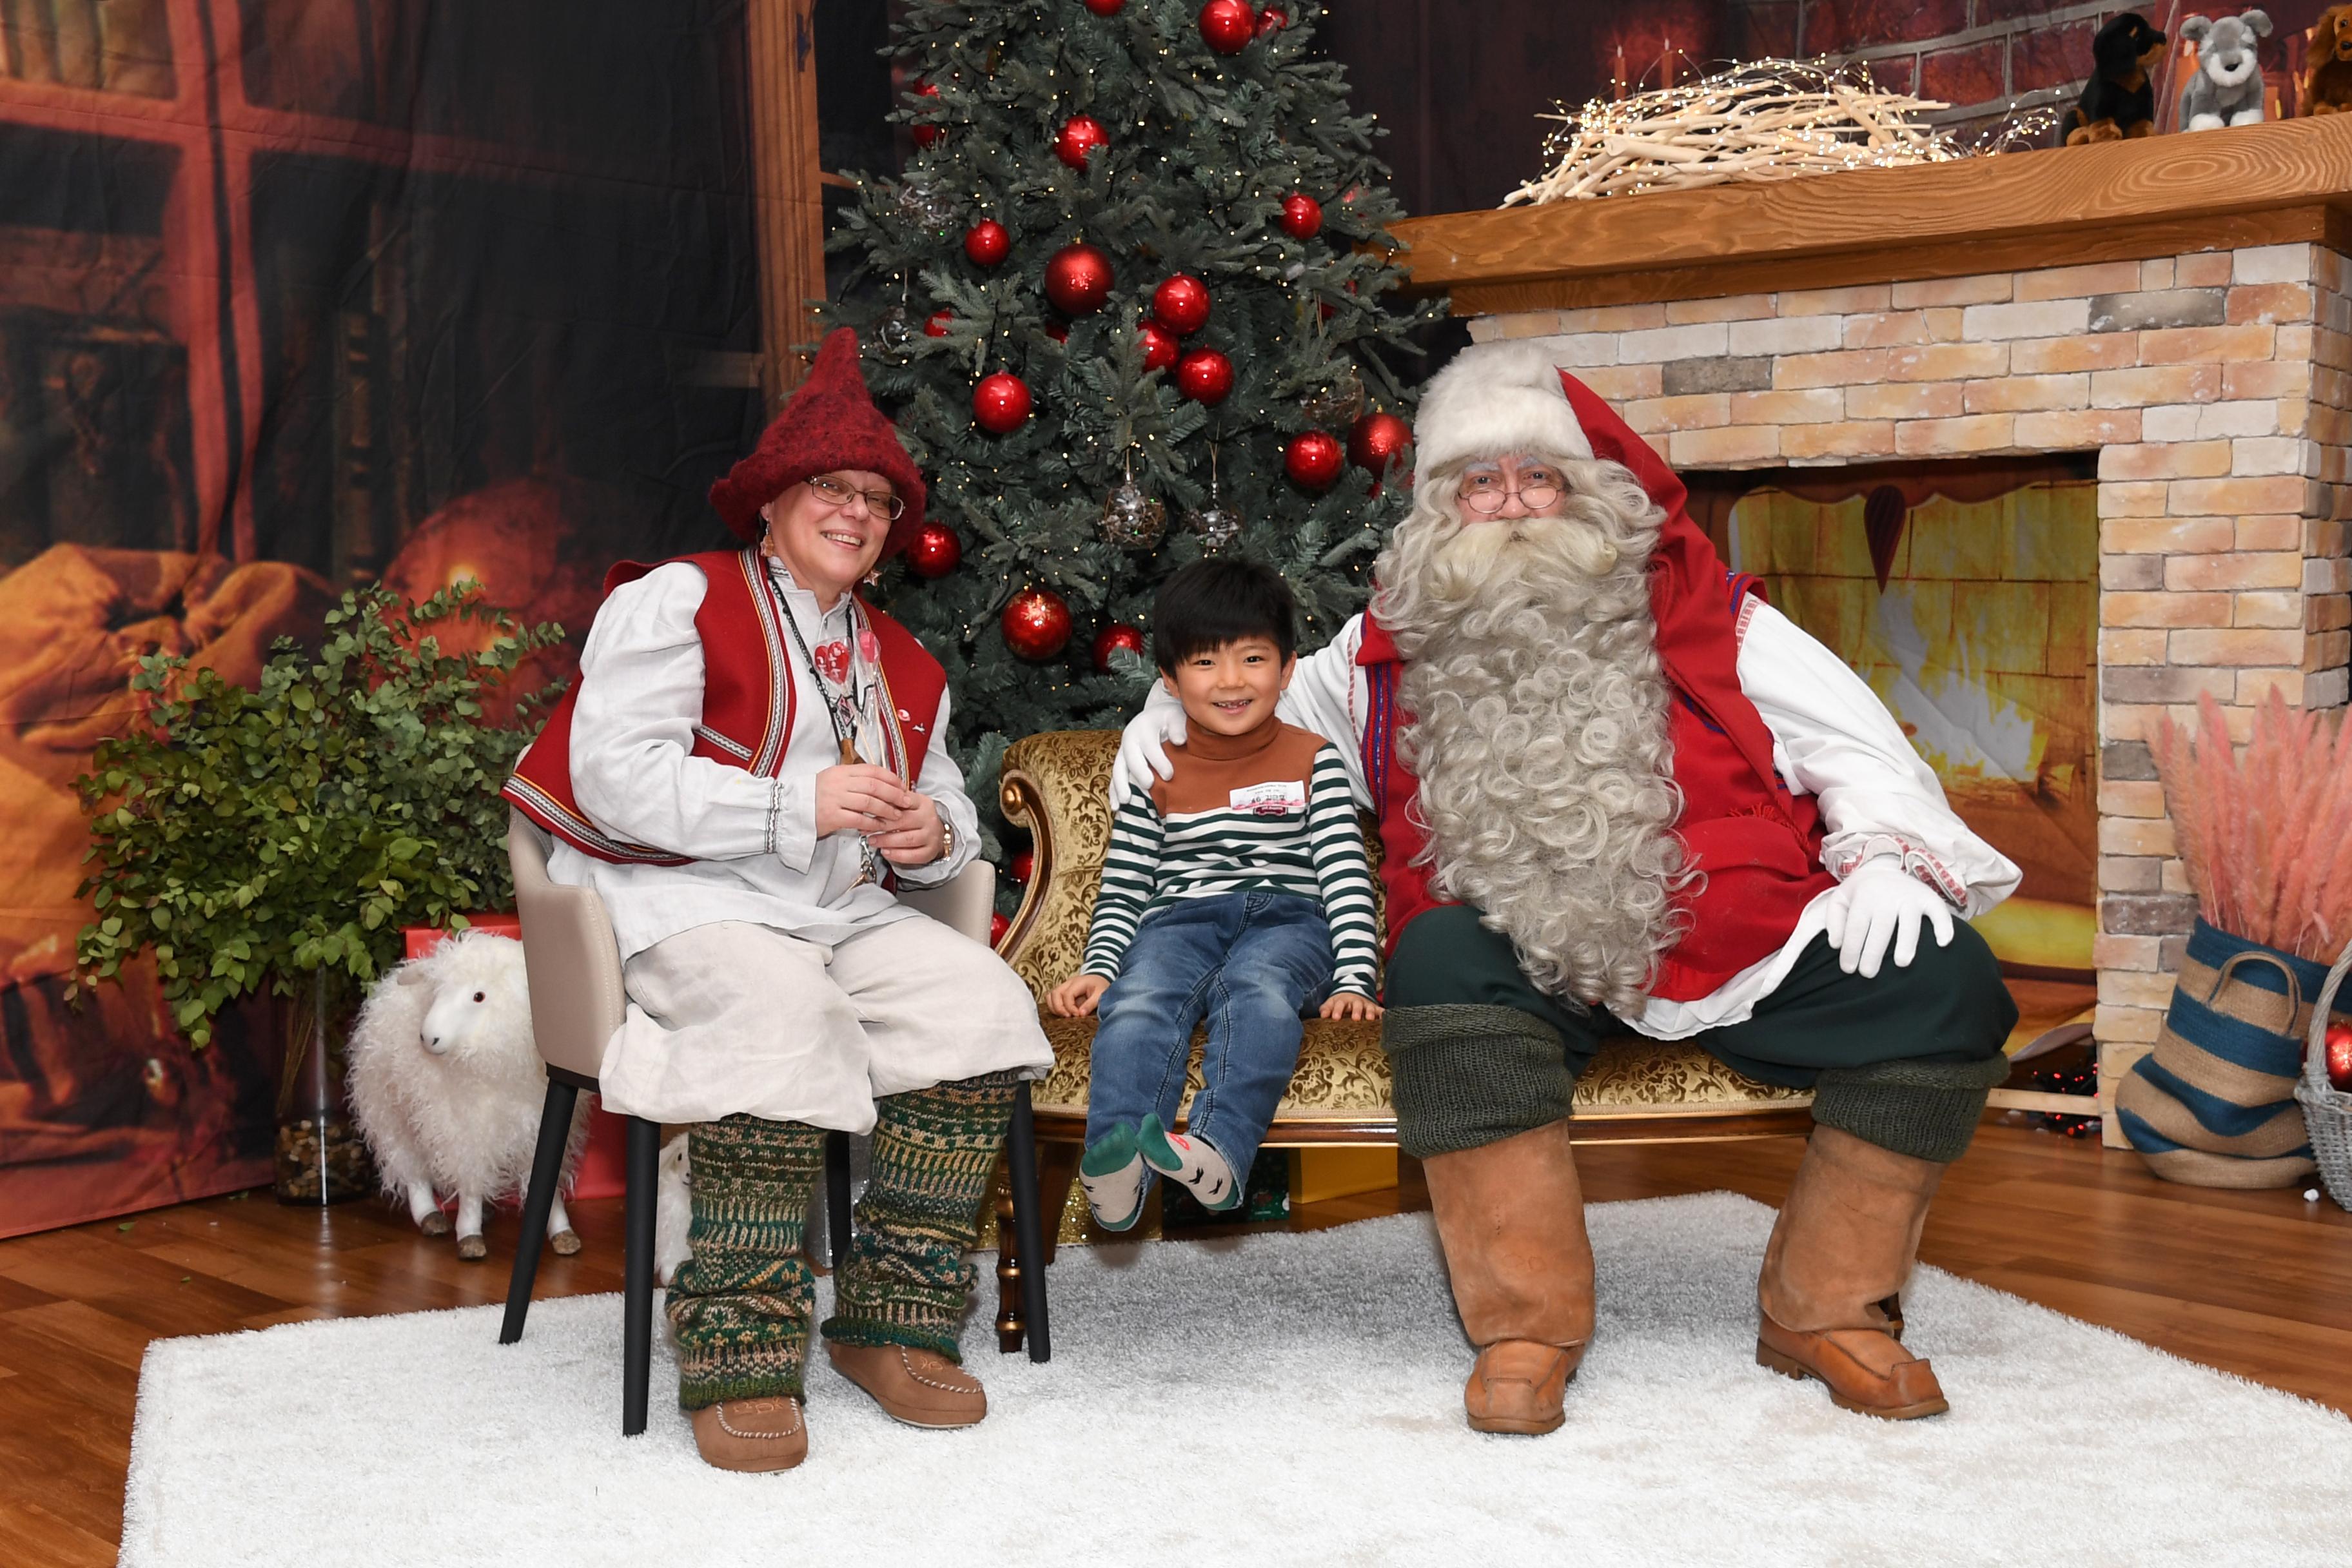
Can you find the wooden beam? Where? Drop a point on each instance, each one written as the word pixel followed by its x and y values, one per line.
pixel 2158 196
pixel 788 207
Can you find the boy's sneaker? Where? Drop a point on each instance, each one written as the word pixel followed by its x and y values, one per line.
pixel 1191 1163
pixel 1114 1177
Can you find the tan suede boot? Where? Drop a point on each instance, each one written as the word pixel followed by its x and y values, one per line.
pixel 1830 1297
pixel 1511 1219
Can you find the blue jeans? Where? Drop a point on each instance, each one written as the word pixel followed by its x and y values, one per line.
pixel 1249 963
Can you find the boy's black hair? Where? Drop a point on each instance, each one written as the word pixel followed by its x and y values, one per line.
pixel 1210 604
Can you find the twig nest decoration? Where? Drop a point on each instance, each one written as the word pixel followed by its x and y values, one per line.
pixel 1762 119
pixel 1132 517
pixel 1337 403
pixel 1217 526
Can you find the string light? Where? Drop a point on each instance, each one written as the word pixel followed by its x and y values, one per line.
pixel 1762 119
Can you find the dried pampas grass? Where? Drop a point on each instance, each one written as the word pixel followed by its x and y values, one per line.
pixel 2265 832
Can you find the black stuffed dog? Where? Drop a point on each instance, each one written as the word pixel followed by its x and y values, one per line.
pixel 2118 100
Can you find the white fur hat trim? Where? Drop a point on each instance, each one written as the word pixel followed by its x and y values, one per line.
pixel 1495 398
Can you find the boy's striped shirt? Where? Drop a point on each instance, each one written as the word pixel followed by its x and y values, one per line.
pixel 1318 853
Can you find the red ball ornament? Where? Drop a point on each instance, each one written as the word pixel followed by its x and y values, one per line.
pixel 937 327
pixel 935 553
pixel 1158 346
pixel 2339 1044
pixel 1081 135
pixel 1204 375
pixel 1078 279
pixel 987 243
pixel 1272 20
pixel 1058 332
pixel 1378 440
pixel 1025 866
pixel 925 133
pixel 1104 7
pixel 1228 25
pixel 1111 638
pixel 1036 625
pixel 1312 459
pixel 997 926
pixel 1180 304
pixel 999 403
pixel 1302 215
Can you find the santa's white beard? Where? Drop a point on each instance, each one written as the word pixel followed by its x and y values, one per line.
pixel 1538 737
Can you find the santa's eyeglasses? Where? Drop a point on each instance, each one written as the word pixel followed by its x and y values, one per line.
pixel 881 503
pixel 1484 491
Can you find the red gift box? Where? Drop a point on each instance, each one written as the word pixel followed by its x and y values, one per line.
pixel 602 1172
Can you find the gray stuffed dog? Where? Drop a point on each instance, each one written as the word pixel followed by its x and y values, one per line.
pixel 2228 87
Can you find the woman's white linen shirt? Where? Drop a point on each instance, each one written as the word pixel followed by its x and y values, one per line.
pixel 755 853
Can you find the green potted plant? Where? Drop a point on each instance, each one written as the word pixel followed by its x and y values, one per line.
pixel 281 835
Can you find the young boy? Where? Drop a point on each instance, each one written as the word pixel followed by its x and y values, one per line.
pixel 1237 892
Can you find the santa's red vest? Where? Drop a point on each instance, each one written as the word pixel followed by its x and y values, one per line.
pixel 748 700
pixel 1758 844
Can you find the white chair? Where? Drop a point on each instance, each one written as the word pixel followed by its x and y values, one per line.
pixel 573 963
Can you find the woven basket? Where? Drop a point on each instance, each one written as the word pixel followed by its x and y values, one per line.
pixel 2327 1112
pixel 2213 1105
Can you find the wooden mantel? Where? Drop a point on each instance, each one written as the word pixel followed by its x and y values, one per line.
pixel 2256 185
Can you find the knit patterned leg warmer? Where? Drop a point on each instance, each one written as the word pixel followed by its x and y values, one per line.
pixel 741 1305
pixel 905 1281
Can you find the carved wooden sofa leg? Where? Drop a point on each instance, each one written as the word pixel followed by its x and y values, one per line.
pixel 1021 1249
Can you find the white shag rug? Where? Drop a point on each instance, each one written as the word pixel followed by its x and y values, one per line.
pixel 1269 1400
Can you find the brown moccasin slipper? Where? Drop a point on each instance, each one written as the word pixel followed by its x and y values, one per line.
pixel 751 1435
pixel 921 1388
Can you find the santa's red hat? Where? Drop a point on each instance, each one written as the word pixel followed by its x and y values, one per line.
pixel 831 423
pixel 1500 399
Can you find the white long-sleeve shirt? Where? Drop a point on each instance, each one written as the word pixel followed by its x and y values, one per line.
pixel 1831 739
pixel 641 681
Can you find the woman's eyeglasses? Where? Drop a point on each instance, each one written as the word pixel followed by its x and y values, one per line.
pixel 881 503
pixel 1483 491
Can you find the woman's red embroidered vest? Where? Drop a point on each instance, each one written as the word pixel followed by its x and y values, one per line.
pixel 1758 844
pixel 748 700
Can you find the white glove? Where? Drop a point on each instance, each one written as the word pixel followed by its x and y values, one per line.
pixel 1143 747
pixel 1878 902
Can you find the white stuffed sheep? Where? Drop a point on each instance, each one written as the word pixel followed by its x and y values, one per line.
pixel 447 1086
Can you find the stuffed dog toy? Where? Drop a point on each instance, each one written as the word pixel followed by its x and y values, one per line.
pixel 2117 102
pixel 2228 87
pixel 2327 67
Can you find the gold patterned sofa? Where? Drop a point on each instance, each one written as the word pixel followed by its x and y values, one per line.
pixel 1057 785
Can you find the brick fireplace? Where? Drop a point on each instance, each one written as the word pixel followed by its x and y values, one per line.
pixel 2179 309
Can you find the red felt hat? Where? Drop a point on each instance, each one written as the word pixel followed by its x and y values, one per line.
pixel 830 423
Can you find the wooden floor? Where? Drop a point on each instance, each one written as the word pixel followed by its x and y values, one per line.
pixel 2256 1283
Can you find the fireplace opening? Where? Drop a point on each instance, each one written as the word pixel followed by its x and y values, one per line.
pixel 1965 593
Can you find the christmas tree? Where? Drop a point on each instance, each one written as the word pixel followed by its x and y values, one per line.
pixel 1129 304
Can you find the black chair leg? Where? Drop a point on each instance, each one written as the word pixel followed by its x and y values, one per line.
pixel 546 1169
pixel 643 1163
pixel 836 1198
pixel 1028 1225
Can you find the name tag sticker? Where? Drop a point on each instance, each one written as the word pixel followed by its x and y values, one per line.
pixel 1275 798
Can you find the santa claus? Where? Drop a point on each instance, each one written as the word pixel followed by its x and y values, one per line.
pixel 1614 785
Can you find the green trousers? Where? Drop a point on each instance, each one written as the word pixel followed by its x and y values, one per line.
pixel 740 1304
pixel 1902 1059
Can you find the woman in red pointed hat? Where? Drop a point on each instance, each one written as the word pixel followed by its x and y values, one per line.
pixel 1612 780
pixel 751 759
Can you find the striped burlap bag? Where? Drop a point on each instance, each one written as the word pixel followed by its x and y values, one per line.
pixel 2213 1105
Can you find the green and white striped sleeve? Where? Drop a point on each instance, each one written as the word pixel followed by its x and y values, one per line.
pixel 1129 877
pixel 1344 874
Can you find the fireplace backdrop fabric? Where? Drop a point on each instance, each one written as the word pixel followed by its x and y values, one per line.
pixel 295 294
pixel 1967 593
